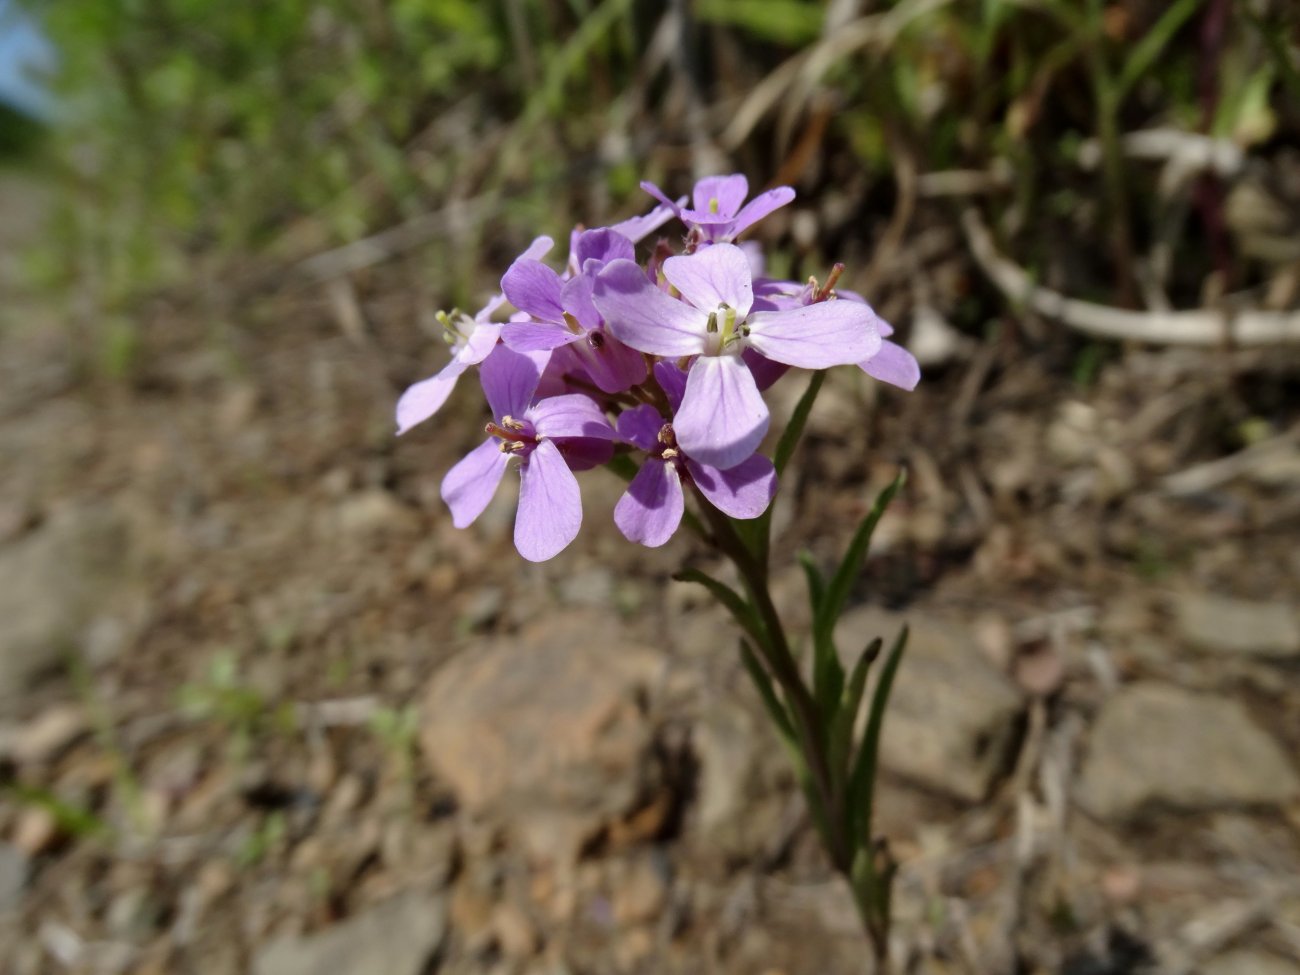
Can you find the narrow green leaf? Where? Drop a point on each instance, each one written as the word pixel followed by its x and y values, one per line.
pixel 740 610
pixel 816 584
pixel 1146 50
pixel 862 780
pixel 775 709
pixel 841 737
pixel 837 591
pixel 798 420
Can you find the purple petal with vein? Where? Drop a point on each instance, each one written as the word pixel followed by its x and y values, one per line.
pixel 760 206
pixel 636 228
pixel 743 491
pixel 651 508
pixel 723 417
pixel 550 505
pixel 765 371
pixel 576 299
pixel 661 196
pixel 718 275
pixel 533 287
pixel 426 397
pixel 537 336
pixel 571 415
pixel 582 453
pixel 829 333
pixel 469 486
pixel 640 315
pixel 640 426
pixel 672 381
pixel 729 191
pixel 510 378
pixel 604 245
pixel 893 364
pixel 611 364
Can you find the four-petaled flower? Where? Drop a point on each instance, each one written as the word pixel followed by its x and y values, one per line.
pixel 720 212
pixel 723 417
pixel 537 433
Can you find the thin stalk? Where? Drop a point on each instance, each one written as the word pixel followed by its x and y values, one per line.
pixel 808 720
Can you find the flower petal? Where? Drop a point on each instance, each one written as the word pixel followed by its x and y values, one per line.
pixel 550 505
pixel 425 398
pixel 672 381
pixel 604 245
pixel 582 453
pixel 480 343
pixel 510 378
pixel 571 415
pixel 611 365
pixel 641 425
pixel 718 275
pixel 893 364
pixel 743 491
pixel 729 192
pixel 575 296
pixel 723 418
pixel 661 196
pixel 829 333
pixel 760 206
pixel 765 371
pixel 533 287
pixel 640 315
pixel 469 486
pixel 537 336
pixel 651 508
pixel 539 248
pixel 636 228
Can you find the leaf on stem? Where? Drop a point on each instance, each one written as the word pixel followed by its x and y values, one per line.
pixel 841 737
pixel 862 780
pixel 798 420
pixel 775 709
pixel 841 584
pixel 816 584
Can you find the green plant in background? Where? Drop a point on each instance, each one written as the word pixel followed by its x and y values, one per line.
pixel 223 696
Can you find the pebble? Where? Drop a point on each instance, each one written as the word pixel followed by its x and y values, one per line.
pixel 1158 745
pixel 1223 624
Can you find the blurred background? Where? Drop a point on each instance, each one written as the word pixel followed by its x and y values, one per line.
pixel 263 709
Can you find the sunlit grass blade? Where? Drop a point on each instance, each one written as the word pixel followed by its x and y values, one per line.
pixel 862 780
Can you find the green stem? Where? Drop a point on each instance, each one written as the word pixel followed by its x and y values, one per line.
pixel 808 721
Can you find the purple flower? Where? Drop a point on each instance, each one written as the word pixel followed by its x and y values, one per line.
pixel 471 339
pixel 720 212
pixel 562 312
pixel 651 508
pixel 723 418
pixel 539 433
pixel 891 363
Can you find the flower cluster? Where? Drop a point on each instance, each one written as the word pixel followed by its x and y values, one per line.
pixel 664 359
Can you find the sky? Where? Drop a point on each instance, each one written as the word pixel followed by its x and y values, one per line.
pixel 23 52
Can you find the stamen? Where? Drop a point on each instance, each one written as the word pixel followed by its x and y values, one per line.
pixel 712 325
pixel 512 446
pixel 510 423
pixel 666 435
pixel 669 453
pixel 713 204
pixel 572 322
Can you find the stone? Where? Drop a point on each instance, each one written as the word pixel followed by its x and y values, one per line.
pixel 396 937
pixel 1156 745
pixel 53 582
pixel 48 734
pixel 743 775
pixel 1246 961
pixel 14 867
pixel 1223 624
pixel 549 722
pixel 952 720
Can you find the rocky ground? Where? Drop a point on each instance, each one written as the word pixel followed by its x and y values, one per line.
pixel 263 709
